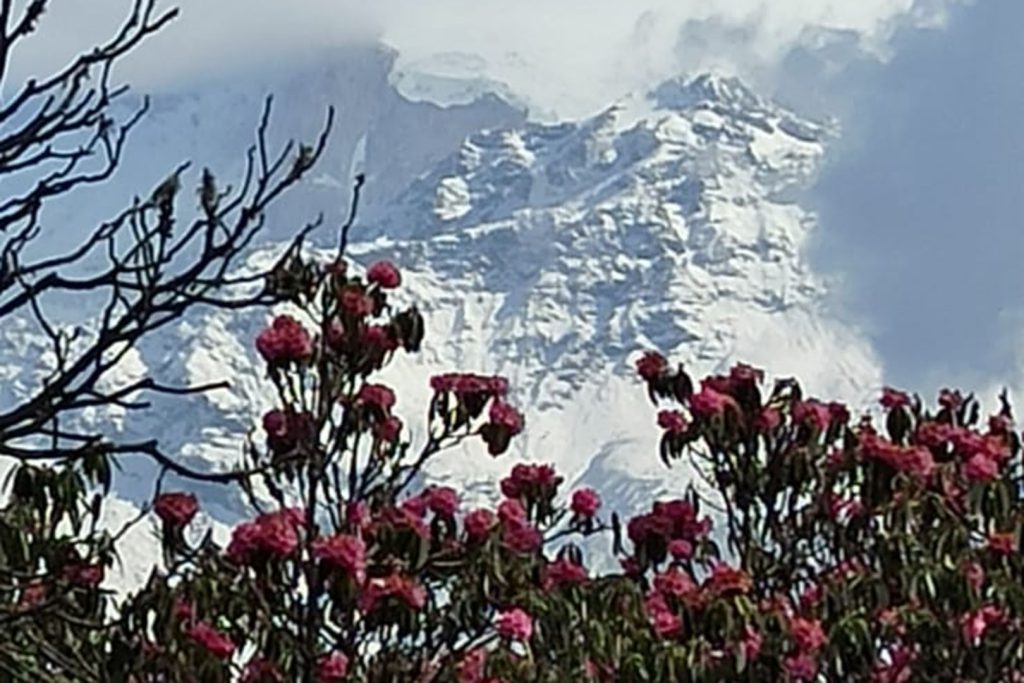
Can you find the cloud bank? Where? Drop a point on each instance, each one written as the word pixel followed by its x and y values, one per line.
pixel 569 57
pixel 920 209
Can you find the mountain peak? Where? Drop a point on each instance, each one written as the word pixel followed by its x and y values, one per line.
pixel 712 88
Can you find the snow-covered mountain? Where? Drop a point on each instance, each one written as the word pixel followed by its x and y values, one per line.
pixel 550 254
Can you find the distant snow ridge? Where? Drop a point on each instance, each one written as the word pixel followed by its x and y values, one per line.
pixel 552 254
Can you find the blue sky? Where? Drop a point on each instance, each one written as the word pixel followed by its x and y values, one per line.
pixel 921 206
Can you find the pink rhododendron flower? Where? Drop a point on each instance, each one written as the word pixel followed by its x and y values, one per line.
pixel 726 580
pixel 980 468
pixel 680 549
pixel 378 396
pixel 515 624
pixel 562 572
pixel 801 667
pixel 388 429
pixel 812 412
pixel 273 534
pixel 674 581
pixel 176 509
pixel 522 537
pixel 344 552
pixel 504 415
pixel 467 385
pixel 379 338
pixel 708 402
pixel 663 620
pixel 398 585
pixel 973 625
pixel 651 365
pixel 384 274
pixel 471 667
pixel 441 500
pixel 332 668
pixel 585 502
pixel 212 640
pixel 672 421
pixel 892 398
pixel 526 478
pixel 768 420
pixel 807 634
pixel 287 429
pixel 183 610
pixel 284 341
pixel 1002 543
pixel 511 511
pixel 478 524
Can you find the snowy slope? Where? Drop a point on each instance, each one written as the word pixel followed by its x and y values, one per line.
pixel 552 254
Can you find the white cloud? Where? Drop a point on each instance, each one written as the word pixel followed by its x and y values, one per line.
pixel 566 55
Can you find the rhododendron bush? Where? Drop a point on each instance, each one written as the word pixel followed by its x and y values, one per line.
pixel 820 546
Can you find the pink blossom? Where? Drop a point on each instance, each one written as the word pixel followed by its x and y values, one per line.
pixel 504 415
pixel 478 524
pixel 807 634
pixel 815 413
pixel 664 622
pixel 892 398
pixel 672 421
pixel 522 537
pixel 651 365
pixel 274 534
pixel 511 511
pixel 562 572
pixel 344 552
pixel 84 575
pixel 332 668
pixel 176 509
pixel 980 468
pixel 412 594
pixel 379 337
pixel 680 549
pixel 801 667
pixel 378 396
pixel 471 668
pixel 1002 543
pixel 285 340
pixel 674 581
pixel 466 385
pixel 726 580
pixel 384 274
pixel 585 502
pixel 441 500
pixel 388 429
pixel 973 625
pixel 515 624
pixel 526 479
pixel 768 420
pixel 708 402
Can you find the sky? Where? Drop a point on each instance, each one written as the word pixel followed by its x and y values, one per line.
pixel 918 205
pixel 920 208
pixel 588 52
